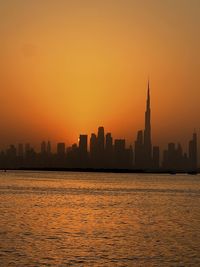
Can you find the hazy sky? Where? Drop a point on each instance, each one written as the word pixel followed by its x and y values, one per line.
pixel 68 67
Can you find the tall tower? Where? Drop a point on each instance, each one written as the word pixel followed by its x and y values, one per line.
pixel 193 152
pixel 101 140
pixel 147 132
pixel 48 148
pixel 100 147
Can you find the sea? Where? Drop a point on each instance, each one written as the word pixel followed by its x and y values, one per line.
pixel 99 219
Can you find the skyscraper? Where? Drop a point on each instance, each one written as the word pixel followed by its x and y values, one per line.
pixel 156 158
pixel 48 147
pixel 21 150
pixel 147 133
pixel 109 143
pixel 139 151
pixel 101 140
pixel 109 150
pixel 119 153
pixel 100 147
pixel 83 153
pixel 27 149
pixel 93 145
pixel 193 152
pixel 93 150
pixel 61 149
pixel 43 148
pixel 83 144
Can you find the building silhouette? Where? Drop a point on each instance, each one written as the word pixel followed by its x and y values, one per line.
pixel 139 151
pixel 175 159
pixel 93 150
pixel 100 147
pixel 143 143
pixel 20 150
pixel 156 158
pixel 147 134
pixel 48 148
pixel 193 152
pixel 105 152
pixel 61 150
pixel 109 161
pixel 83 152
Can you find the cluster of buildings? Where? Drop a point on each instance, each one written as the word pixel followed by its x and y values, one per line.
pixel 101 151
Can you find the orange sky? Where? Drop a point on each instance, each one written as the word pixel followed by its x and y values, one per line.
pixel 68 67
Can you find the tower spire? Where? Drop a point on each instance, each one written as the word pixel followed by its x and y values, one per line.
pixel 147 131
pixel 148 95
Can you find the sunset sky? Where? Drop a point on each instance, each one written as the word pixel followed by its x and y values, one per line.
pixel 69 66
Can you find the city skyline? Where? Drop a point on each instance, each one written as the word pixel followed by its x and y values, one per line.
pixel 147 122
pixel 102 151
pixel 63 74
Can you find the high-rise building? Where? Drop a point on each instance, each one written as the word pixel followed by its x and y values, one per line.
pixel 174 158
pixel 101 139
pixel 147 133
pixel 27 149
pixel 193 152
pixel 83 144
pixel 100 147
pixel 109 151
pixel 156 158
pixel 109 143
pixel 60 160
pixel 93 144
pixel 119 145
pixel 48 148
pixel 61 149
pixel 83 153
pixel 143 144
pixel 139 151
pixel 43 148
pixel 93 150
pixel 120 153
pixel 12 152
pixel 21 150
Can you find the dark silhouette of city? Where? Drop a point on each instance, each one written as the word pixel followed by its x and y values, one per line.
pixel 103 153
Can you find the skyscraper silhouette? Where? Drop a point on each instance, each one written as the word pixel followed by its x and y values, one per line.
pixel 193 152
pixel 105 152
pixel 143 144
pixel 109 150
pixel 20 150
pixel 48 147
pixel 147 132
pixel 43 148
pixel 101 139
pixel 83 144
pixel 93 150
pixel 139 151
pixel 61 149
pixel 100 146
pixel 83 153
pixel 156 158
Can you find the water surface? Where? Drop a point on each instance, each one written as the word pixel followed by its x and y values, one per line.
pixel 96 219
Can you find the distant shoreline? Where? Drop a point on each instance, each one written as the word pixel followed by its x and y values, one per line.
pixel 100 170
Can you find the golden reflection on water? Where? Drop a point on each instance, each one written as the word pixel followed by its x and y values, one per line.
pixel 74 219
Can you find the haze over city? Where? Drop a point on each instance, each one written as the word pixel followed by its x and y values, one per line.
pixel 69 66
pixel 101 152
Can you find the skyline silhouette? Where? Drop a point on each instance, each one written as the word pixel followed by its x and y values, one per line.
pixel 68 67
pixel 101 151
